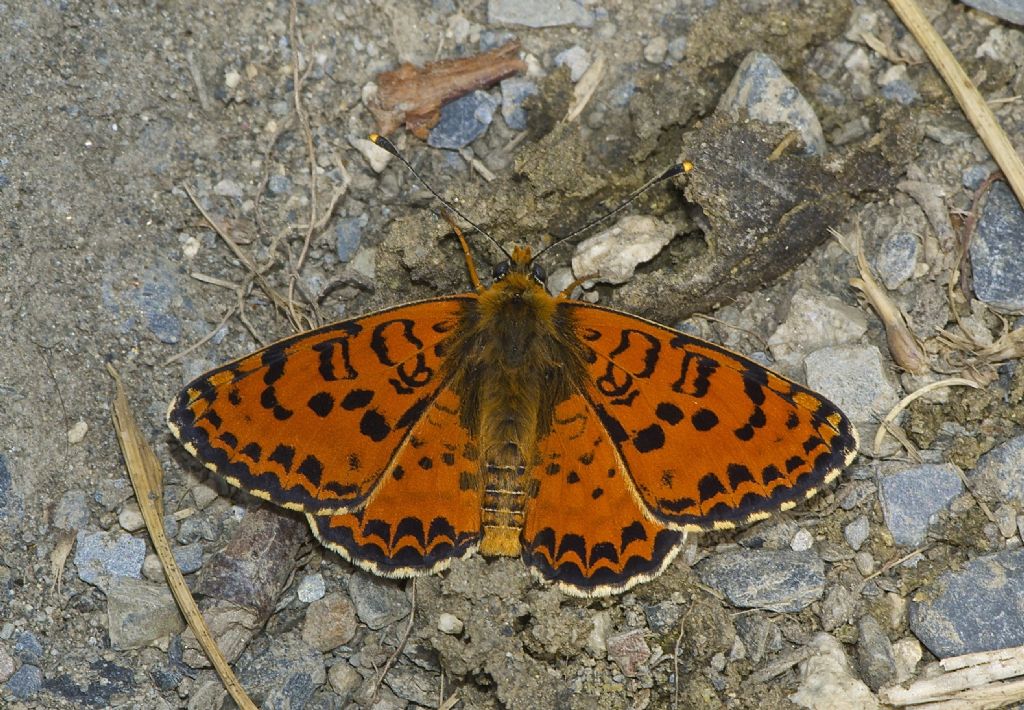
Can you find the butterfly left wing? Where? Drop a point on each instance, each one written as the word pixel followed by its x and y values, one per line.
pixel 710 439
pixel 426 511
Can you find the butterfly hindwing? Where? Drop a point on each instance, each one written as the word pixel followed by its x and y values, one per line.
pixel 426 510
pixel 710 439
pixel 312 422
pixel 585 529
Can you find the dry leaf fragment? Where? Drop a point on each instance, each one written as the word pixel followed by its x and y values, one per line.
pixel 414 95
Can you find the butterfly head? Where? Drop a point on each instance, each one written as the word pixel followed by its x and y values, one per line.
pixel 521 264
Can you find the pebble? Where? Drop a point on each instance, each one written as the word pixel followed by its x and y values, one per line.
pixel 413 684
pixel 140 612
pixel 856 531
pixel 814 321
pixel 895 86
pixel 656 50
pixel 348 234
pixel 279 184
pixel 538 13
pixel 597 639
pixel 449 624
pixel 156 297
pixel 1006 520
pixel 973 176
pixel 376 157
pixel 911 497
pixel 377 602
pixel 760 636
pixel 865 563
pixel 26 682
pixel 778 580
pixel 330 622
pixel 827 681
pixel 463 121
pixel 677 48
pixel 577 59
pixel 996 248
pixel 514 92
pixel 855 377
pixel 345 681
pixel 1009 10
pixel 613 255
pixel 6 665
pixel 284 674
pixel 663 616
pixel 77 432
pixel 972 609
pixel 761 91
pixel 72 511
pixel 999 473
pixel 27 648
pixel 9 501
pixel 229 188
pixel 802 541
pixel 629 651
pixel 874 654
pixel 311 588
pixel 837 609
pixel 897 258
pixel 906 654
pixel 130 518
pixel 106 554
pixel 189 557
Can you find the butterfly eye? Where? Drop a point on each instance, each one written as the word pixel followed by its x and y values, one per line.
pixel 539 274
pixel 501 270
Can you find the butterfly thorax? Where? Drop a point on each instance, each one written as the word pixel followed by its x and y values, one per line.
pixel 510 364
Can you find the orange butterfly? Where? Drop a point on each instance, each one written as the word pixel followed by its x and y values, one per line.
pixel 512 422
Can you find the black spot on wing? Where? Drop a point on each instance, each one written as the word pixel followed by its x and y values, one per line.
pixel 649 439
pixel 704 420
pixel 321 404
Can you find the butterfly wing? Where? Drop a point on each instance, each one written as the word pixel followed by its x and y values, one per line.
pixel 314 421
pixel 709 439
pixel 426 511
pixel 585 529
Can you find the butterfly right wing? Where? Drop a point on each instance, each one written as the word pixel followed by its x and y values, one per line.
pixel 314 421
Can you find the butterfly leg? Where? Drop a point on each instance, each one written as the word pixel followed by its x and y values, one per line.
pixel 473 278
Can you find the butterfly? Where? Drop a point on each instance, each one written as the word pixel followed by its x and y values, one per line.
pixel 511 422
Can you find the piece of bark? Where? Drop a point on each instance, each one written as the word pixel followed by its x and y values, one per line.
pixel 413 95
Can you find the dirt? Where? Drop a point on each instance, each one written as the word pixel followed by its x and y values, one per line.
pixel 111 113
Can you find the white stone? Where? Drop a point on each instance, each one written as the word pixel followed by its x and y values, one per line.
pixel 814 321
pixel 376 157
pixel 827 681
pixel 613 255
pixel 77 432
pixel 449 624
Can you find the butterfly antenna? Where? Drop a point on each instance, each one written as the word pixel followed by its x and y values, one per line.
pixel 677 169
pixel 382 142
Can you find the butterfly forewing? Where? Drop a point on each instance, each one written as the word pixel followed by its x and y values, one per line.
pixel 314 421
pixel 710 439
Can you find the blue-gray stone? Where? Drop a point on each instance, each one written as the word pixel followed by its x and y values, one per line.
pixel 348 234
pixel 6 487
pixel 977 608
pixel 279 184
pixel 189 557
pixel 105 554
pixel 911 497
pixel 779 580
pixel 156 298
pixel 897 258
pixel 974 176
pixel 999 474
pixel 901 91
pixel 28 648
pixel 284 674
pixel 378 602
pixel 996 250
pixel 106 679
pixel 72 511
pixel 538 13
pixel 26 682
pixel 1009 10
pixel 463 121
pixel 514 92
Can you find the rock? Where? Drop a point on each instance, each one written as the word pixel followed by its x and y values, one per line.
pixel 613 255
pixel 576 58
pixel 130 518
pixel 1000 472
pixel 463 121
pixel 761 91
pixel 629 651
pixel 976 608
pixel 311 588
pixel 897 258
pixel 376 157
pixel 663 616
pixel 814 321
pixel 104 554
pixel 348 234
pixel 26 682
pixel 760 637
pixel 896 86
pixel 156 298
pixel 906 653
pixel 27 648
pixel 874 654
pixel 837 608
pixel 284 674
pixel 345 680
pixel 189 557
pixel 910 498
pixel 229 188
pixel 996 248
pixel 449 624
pixel 855 378
pixel 802 541
pixel 1009 10
pixel 413 684
pixel 538 13
pixel 139 613
pixel 330 622
pixel 597 639
pixel 279 184
pixel 377 602
pixel 827 682
pixel 6 665
pixel 514 92
pixel 72 511
pixel 856 531
pixel 779 580
pixel 77 432
pixel 656 50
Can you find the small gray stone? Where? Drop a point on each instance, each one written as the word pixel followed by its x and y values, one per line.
pixel 72 511
pixel 663 616
pixel 139 613
pixel 311 588
pixel 910 499
pixel 576 58
pixel 449 624
pixel 330 622
pixel 26 682
pixel 538 13
pixel 779 580
pixel 677 48
pixel 629 651
pixel 613 255
pixel 896 86
pixel 1009 10
pixel 463 121
pixel 814 321
pixel 514 92
pixel 874 654
pixel 855 378
pixel 656 50
pixel 1000 472
pixel 229 188
pixel 413 684
pixel 156 297
pixel 344 679
pixel 284 674
pixel 28 648
pixel 977 608
pixel 761 637
pixel 6 665
pixel 378 602
pixel 973 176
pixel 837 608
pixel 827 681
pixel 856 531
pixel 189 557
pixel 760 90
pixel 105 554
pixel 996 250
pixel 348 234
pixel 897 258
pixel 279 184
pixel 9 500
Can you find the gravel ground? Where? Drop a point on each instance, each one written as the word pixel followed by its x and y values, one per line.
pixel 115 116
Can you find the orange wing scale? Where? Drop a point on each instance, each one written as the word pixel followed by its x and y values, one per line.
pixel 426 511
pixel 710 439
pixel 321 444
